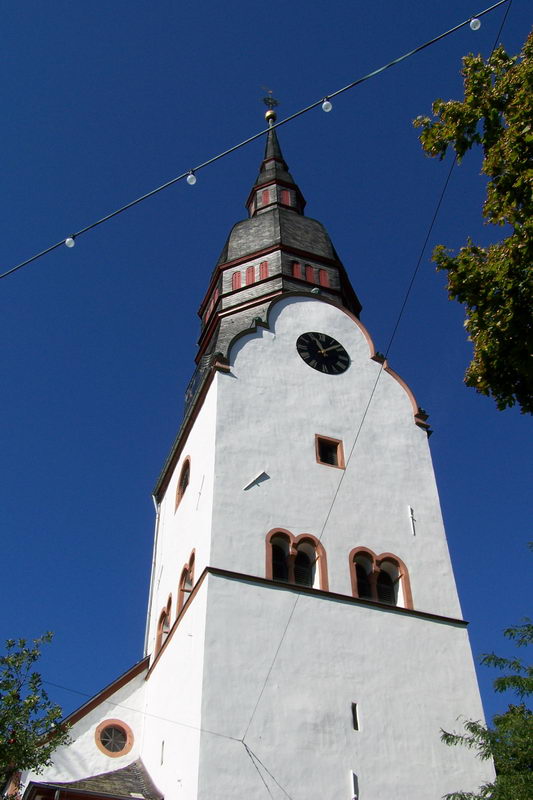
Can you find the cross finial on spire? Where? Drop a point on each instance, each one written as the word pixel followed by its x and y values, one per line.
pixel 270 103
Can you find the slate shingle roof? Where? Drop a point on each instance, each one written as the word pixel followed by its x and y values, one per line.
pixel 130 781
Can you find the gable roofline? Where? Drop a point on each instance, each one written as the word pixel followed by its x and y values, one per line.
pixel 106 692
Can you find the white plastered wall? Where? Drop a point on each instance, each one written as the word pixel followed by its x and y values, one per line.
pixel 269 409
pixel 409 676
pixel 82 758
pixel 188 527
pixel 173 706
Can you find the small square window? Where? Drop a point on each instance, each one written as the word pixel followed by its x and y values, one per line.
pixel 329 451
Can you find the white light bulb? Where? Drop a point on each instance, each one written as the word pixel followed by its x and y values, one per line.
pixel 69 241
pixel 326 105
pixel 191 178
pixel 475 24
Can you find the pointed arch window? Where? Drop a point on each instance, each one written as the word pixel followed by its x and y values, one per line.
pixel 186 584
pixel 296 559
pixel 183 481
pixel 383 578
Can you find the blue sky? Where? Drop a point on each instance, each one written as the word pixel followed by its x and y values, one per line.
pixel 104 101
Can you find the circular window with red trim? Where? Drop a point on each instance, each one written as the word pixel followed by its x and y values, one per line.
pixel 114 738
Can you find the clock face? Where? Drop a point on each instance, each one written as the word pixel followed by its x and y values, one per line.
pixel 323 353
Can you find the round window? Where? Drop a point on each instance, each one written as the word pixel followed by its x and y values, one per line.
pixel 114 738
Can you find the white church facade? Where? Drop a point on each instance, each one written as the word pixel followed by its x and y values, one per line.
pixel 304 635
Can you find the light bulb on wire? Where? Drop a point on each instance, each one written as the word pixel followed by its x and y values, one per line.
pixel 327 105
pixel 475 24
pixel 191 178
pixel 69 241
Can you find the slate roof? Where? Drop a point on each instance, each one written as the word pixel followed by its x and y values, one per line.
pixel 130 781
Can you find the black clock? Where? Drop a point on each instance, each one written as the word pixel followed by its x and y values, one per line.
pixel 323 352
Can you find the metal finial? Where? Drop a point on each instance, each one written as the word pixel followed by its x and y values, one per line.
pixel 271 104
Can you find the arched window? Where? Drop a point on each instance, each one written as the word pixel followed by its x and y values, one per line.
pixel 285 197
pixel 186 582
pixel 236 280
pixel 383 578
pixel 183 481
pixel 280 554
pixel 263 270
pixel 163 626
pixel 296 559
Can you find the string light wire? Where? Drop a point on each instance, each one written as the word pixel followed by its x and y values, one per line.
pixel 191 172
pixel 253 757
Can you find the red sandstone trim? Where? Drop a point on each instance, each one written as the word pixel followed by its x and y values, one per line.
pixel 403 573
pixel 340 451
pixel 119 724
pixel 293 542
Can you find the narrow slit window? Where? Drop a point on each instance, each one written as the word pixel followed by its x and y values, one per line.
pixel 329 451
pixel 355 717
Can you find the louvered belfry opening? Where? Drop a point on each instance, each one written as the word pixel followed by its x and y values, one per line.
pixel 280 567
pixel 385 588
pixel 303 569
pixel 363 582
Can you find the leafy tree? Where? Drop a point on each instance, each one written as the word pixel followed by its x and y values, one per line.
pixel 495 283
pixel 510 741
pixel 29 722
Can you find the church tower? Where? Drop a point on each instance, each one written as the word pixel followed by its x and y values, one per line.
pixel 304 636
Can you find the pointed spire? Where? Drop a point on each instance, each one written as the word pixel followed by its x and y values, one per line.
pixel 275 187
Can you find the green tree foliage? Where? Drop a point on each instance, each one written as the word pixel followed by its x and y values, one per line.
pixel 495 283
pixel 29 722
pixel 510 740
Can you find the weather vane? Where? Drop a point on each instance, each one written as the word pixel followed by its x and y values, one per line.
pixel 271 104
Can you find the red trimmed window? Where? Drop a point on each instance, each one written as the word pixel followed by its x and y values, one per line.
pixel 236 280
pixel 265 197
pixel 250 275
pixel 300 559
pixel 309 273
pixel 186 582
pixel 383 578
pixel 323 277
pixel 183 481
pixel 263 270
pixel 296 269
pixel 286 197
